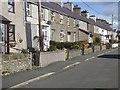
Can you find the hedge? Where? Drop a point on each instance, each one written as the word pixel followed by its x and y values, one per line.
pixel 68 45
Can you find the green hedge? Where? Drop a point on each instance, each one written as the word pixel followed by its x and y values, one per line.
pixel 60 45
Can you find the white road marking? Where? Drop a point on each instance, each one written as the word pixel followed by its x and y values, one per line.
pixel 89 58
pixel 71 65
pixel 100 54
pixel 32 80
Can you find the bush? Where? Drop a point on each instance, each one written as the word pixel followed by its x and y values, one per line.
pixel 68 45
pixel 53 43
pixel 75 46
pixel 52 48
pixel 108 45
pixel 25 51
pixel 31 49
pixel 97 40
pixel 60 45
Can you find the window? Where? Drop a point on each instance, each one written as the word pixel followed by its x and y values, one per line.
pixel 61 19
pixel 12 32
pixel 69 35
pixel 29 9
pixel 43 13
pixel 45 34
pixel 44 27
pixel 74 36
pixel 62 34
pixel 11 6
pixel 68 21
pixel 74 23
pixel 52 16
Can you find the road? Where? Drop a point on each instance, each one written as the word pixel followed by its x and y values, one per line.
pixel 98 70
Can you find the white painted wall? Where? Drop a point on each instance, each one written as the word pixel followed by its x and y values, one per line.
pixel 47 29
pixel 34 24
pixel 17 19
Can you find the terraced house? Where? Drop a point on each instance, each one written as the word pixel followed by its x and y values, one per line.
pixel 13 35
pixel 59 23
pixel 70 24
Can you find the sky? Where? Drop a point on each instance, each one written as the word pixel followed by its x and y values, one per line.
pixel 100 9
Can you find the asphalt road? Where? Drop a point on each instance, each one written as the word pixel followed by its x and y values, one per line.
pixel 98 70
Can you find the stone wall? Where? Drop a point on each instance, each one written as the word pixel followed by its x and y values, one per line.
pixel 19 62
pixel 51 57
pixel 97 48
pixel 74 53
pixel 12 63
pixel 103 47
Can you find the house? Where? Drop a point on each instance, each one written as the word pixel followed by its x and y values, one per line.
pixel 31 23
pixel 12 10
pixel 46 23
pixel 64 22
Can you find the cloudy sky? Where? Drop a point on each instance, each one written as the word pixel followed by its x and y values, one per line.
pixel 103 10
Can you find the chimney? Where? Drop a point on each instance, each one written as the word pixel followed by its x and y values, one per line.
pixel 85 13
pixel 93 17
pixel 77 9
pixel 59 2
pixel 69 5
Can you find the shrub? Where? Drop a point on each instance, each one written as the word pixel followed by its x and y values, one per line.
pixel 75 46
pixel 52 48
pixel 97 40
pixel 67 45
pixel 108 45
pixel 25 51
pixel 53 43
pixel 31 49
pixel 60 45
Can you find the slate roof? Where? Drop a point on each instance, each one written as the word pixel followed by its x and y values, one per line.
pixel 62 10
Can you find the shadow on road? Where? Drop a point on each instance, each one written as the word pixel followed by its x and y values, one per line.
pixel 110 56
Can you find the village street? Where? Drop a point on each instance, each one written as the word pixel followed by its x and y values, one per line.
pixel 95 70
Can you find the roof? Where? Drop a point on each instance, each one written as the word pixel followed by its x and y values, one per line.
pixel 4 20
pixel 65 11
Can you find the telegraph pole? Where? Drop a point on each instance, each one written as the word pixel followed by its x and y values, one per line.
pixel 40 26
pixel 112 27
pixel 112 21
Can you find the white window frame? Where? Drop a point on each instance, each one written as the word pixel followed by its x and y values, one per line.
pixel 68 21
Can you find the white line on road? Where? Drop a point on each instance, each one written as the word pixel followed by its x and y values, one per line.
pixel 100 54
pixel 71 65
pixel 89 58
pixel 32 80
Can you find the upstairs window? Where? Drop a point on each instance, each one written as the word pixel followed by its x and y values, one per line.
pixel 11 6
pixel 29 9
pixel 74 23
pixel 52 16
pixel 61 19
pixel 68 21
pixel 43 13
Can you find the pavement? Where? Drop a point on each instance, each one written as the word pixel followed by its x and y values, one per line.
pixel 95 70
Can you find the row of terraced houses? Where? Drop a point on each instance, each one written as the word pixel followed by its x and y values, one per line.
pixel 19 22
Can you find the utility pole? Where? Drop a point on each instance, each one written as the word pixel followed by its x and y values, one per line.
pixel 112 21
pixel 112 27
pixel 40 27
